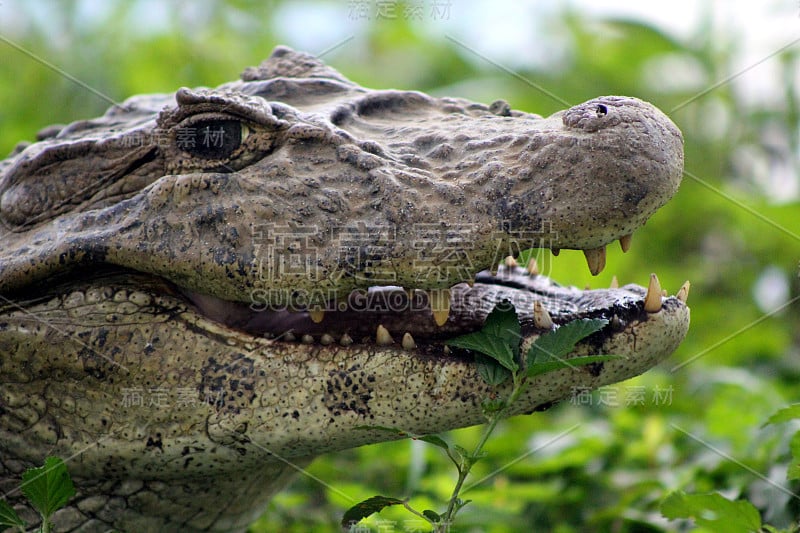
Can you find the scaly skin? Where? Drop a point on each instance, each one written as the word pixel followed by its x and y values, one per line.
pixel 124 252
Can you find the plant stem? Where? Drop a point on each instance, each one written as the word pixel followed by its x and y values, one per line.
pixel 463 470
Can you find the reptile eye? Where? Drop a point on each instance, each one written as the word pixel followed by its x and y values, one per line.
pixel 601 110
pixel 211 139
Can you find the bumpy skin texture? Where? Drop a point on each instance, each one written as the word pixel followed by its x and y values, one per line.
pixel 123 248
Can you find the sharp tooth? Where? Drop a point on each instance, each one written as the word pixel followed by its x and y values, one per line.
pixel 408 341
pixel 288 336
pixel 596 259
pixel 614 283
pixel 652 301
pixel 541 318
pixel 440 305
pixel 382 337
pixel 511 262
pixel 316 315
pixel 346 340
pixel 307 339
pixel 446 350
pixel 326 339
pixel 471 282
pixel 683 292
pixel 533 267
pixel 664 293
pixel 625 242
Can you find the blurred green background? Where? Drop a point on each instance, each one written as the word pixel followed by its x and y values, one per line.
pixel 695 423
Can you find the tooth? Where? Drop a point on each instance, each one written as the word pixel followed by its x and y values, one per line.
pixel 289 336
pixel 408 341
pixel 533 267
pixel 307 339
pixel 652 301
pixel 382 336
pixel 596 259
pixel 346 340
pixel 446 350
pixel 440 305
pixel 664 293
pixel 541 318
pixel 511 262
pixel 614 283
pixel 316 315
pixel 683 292
pixel 471 282
pixel 625 242
pixel 326 339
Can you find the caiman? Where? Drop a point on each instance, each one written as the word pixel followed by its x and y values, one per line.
pixel 202 291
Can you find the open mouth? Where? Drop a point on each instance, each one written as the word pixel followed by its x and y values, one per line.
pixel 421 320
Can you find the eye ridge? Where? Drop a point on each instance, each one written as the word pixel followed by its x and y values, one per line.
pixel 212 139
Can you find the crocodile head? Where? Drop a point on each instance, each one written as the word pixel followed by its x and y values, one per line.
pixel 201 291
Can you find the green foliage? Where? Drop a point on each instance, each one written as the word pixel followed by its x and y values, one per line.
pixel 48 488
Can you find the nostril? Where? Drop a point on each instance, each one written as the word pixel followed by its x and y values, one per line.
pixel 601 110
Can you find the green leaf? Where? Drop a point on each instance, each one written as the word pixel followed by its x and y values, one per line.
pixel 499 338
pixel 435 440
pixel 784 415
pixel 553 346
pixel 713 512
pixel 9 517
pixel 490 370
pixel 503 322
pixel 369 506
pixel 48 487
pixel 490 345
pixel 794 467
pixel 433 516
pixel 537 369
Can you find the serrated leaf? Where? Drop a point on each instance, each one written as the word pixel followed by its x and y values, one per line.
pixel 713 512
pixel 9 517
pixel 554 345
pixel 503 322
pixel 489 345
pixel 433 516
pixel 498 339
pixel 48 487
pixel 537 369
pixel 490 370
pixel 372 505
pixel 784 415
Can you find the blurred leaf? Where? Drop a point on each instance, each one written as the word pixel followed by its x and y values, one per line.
pixel 784 415
pixel 713 511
